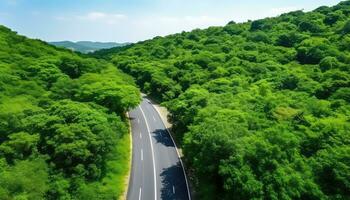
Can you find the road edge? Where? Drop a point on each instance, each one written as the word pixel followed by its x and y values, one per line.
pixel 177 150
pixel 127 178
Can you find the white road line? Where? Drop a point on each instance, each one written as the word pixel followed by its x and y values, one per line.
pixel 138 121
pixel 154 119
pixel 141 154
pixel 154 164
pixel 178 154
pixel 140 135
pixel 173 189
pixel 140 194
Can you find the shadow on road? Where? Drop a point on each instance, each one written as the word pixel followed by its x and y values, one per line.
pixel 162 136
pixel 173 183
pixel 131 118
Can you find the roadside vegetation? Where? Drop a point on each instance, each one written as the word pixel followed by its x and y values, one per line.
pixel 262 108
pixel 63 132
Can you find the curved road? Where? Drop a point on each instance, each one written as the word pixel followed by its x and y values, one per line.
pixel 156 172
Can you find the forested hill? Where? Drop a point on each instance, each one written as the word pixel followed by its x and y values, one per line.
pixel 262 108
pixel 62 124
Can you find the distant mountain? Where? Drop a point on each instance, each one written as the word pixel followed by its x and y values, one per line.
pixel 87 46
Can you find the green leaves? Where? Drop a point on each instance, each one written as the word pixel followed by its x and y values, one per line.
pixel 260 108
pixel 74 66
pixel 312 51
pixel 20 145
pixel 328 63
pixel 109 91
pixel 332 167
pixel 25 180
pixel 62 122
pixel 346 28
pixel 290 39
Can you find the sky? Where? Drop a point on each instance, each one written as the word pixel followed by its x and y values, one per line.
pixel 134 20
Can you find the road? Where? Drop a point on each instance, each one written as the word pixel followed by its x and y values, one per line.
pixel 156 171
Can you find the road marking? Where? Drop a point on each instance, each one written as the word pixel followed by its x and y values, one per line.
pixel 140 194
pixel 178 154
pixel 138 121
pixel 141 154
pixel 173 189
pixel 154 164
pixel 154 119
pixel 140 135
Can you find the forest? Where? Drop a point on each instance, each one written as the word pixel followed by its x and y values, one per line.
pixel 63 130
pixel 261 109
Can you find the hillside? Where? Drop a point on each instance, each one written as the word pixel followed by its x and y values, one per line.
pixel 63 132
pixel 87 46
pixel 262 108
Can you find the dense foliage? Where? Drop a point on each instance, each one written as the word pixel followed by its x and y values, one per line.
pixel 62 127
pixel 262 108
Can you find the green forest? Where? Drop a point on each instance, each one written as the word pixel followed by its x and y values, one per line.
pixel 63 130
pixel 261 109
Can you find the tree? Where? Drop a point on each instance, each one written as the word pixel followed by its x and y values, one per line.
pixel 328 63
pixel 25 180
pixel 20 145
pixel 342 93
pixel 71 67
pixel 333 17
pixel 185 108
pixel 260 37
pixel 53 139
pixel 108 91
pixel 260 25
pixel 346 28
pixel 259 108
pixel 312 51
pixel 290 39
pixel 332 171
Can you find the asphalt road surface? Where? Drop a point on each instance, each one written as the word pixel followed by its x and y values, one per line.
pixel 156 172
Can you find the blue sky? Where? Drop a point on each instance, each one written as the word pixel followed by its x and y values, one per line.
pixel 134 20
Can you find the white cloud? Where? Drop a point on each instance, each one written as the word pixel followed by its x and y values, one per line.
pixel 102 17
